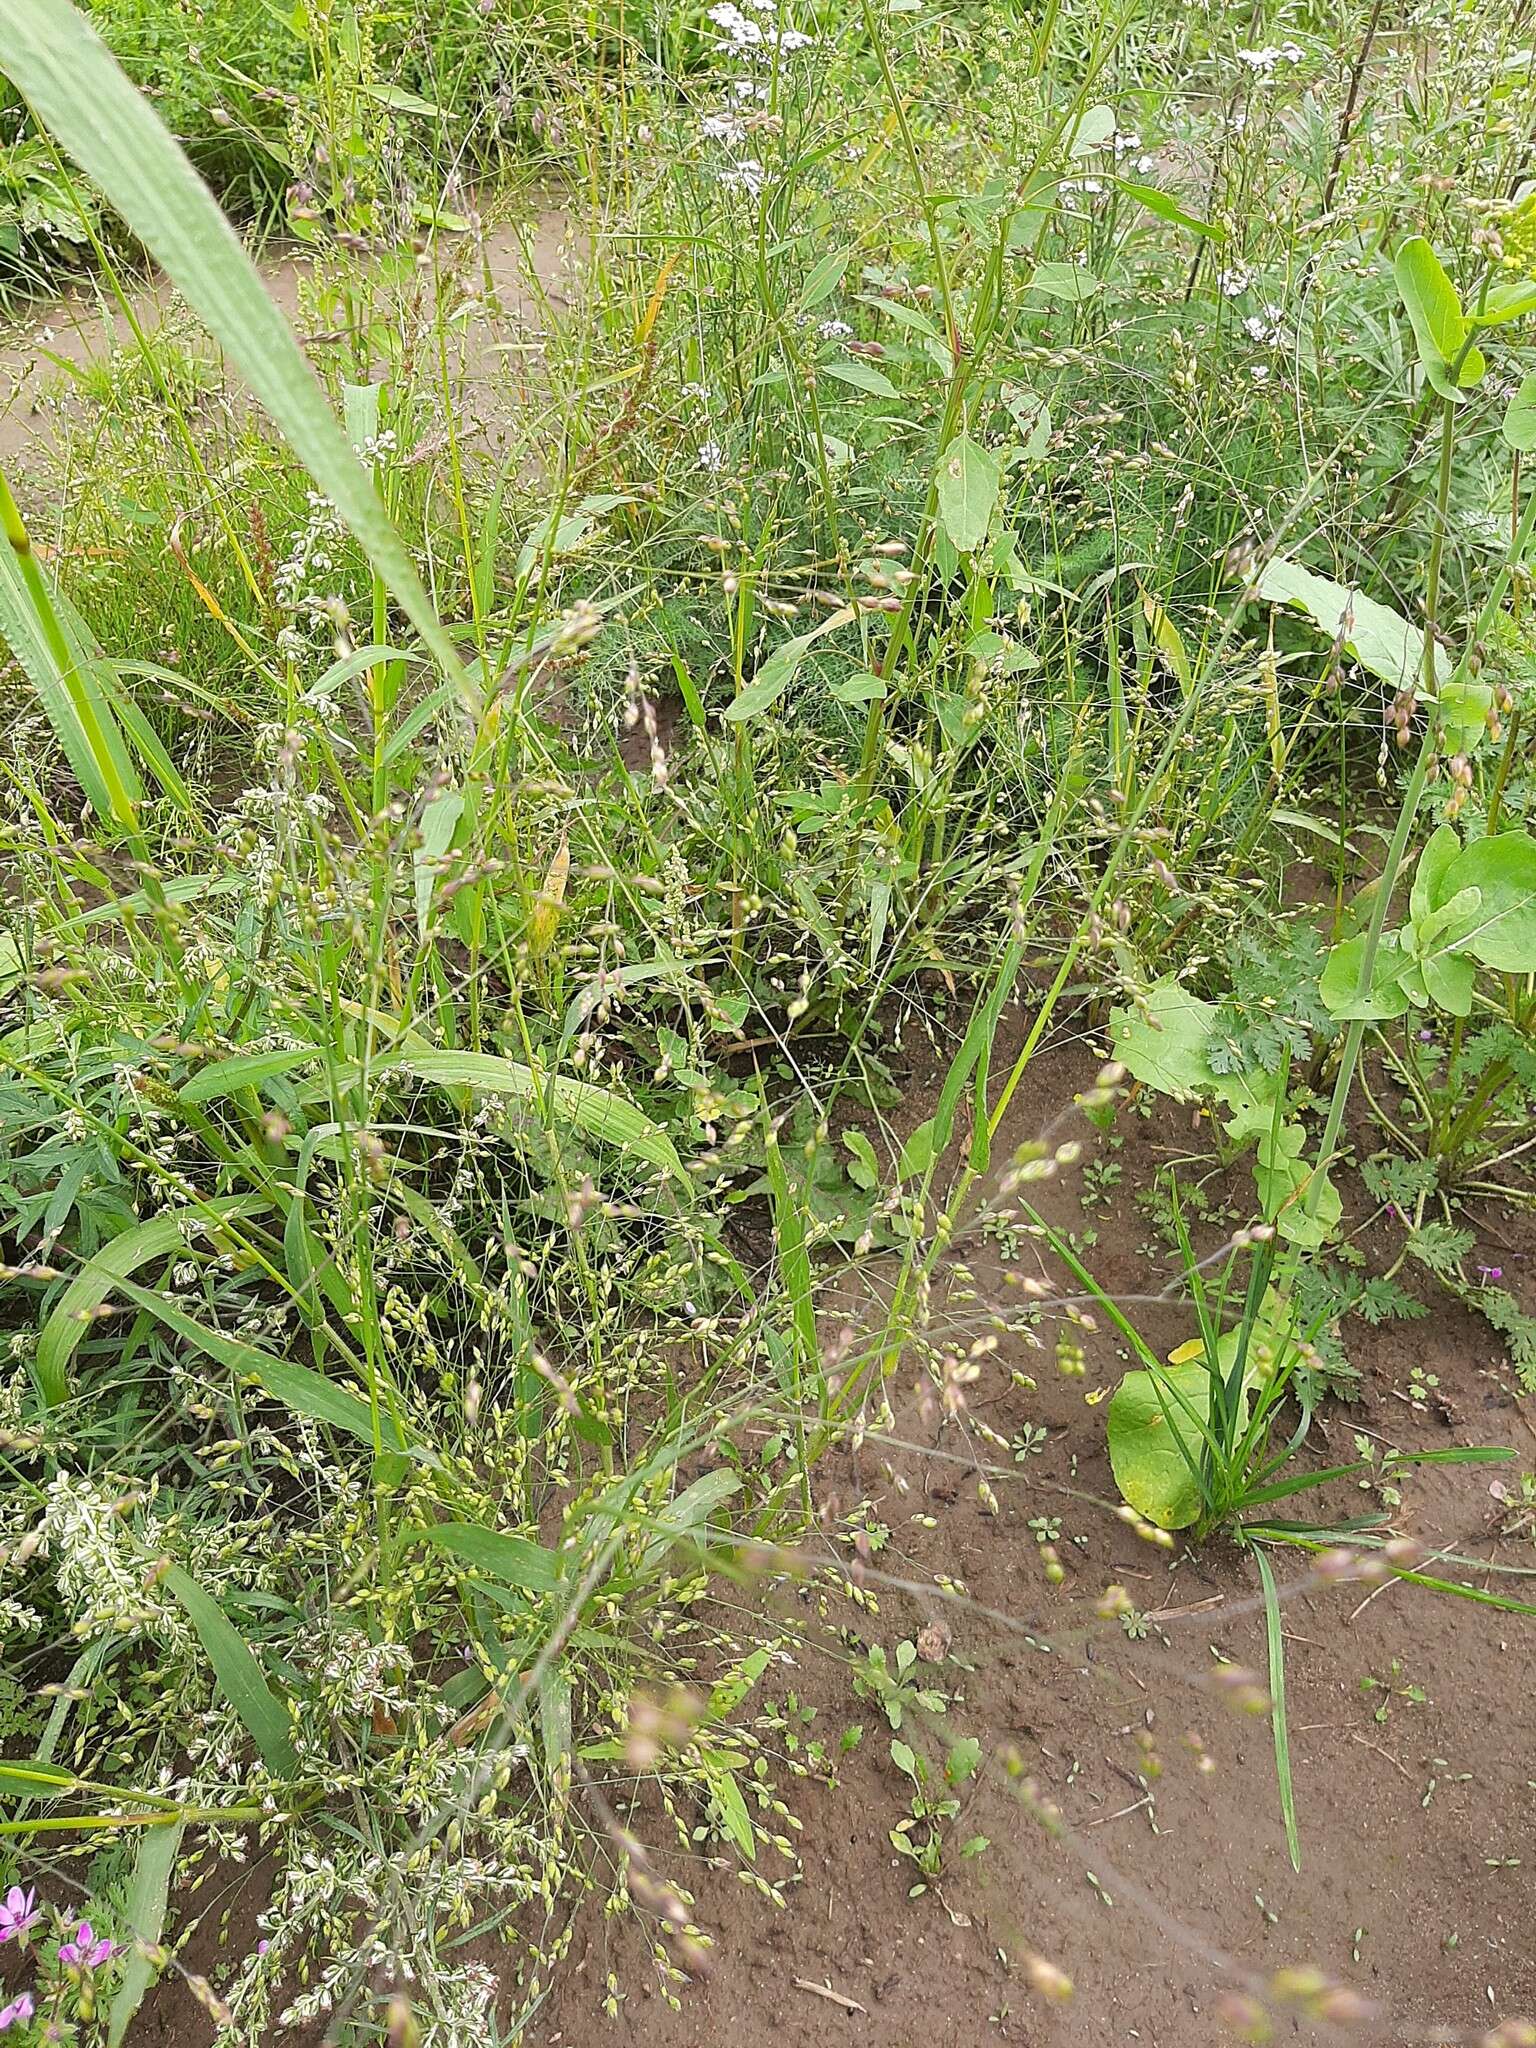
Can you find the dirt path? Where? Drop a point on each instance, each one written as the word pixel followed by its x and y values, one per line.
pixel 506 280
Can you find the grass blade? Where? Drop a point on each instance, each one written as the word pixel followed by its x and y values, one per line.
pixel 593 1110
pixel 58 63
pixel 58 666
pixel 296 1386
pixel 147 1895
pixel 160 1238
pixel 513 1559
pixel 235 1666
pixel 1276 1640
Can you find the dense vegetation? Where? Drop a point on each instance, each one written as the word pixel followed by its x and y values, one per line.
pixel 1008 492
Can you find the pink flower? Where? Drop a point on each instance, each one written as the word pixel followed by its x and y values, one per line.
pixel 87 1951
pixel 18 1913
pixel 19 2009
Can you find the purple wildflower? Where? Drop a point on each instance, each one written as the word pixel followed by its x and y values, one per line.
pixel 1489 1274
pixel 19 2009
pixel 88 1950
pixel 19 1913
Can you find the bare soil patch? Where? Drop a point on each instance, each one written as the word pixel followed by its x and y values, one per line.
pixel 1408 1715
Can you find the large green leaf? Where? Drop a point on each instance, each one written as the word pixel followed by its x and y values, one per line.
pixel 1375 635
pixel 968 480
pixel 1155 1427
pixel 1435 314
pixel 1339 983
pixel 62 68
pixel 1164 1041
pixel 1503 871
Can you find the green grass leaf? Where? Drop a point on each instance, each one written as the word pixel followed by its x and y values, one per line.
pixel 514 1560
pixel 144 1912
pixel 298 1387
pixel 1275 1637
pixel 779 670
pixel 63 671
pixel 163 1237
pixel 241 1676
pixel 243 1070
pixel 862 377
pixel 601 1115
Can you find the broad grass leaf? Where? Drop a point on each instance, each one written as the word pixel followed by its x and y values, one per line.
pixel 730 1809
pixel 780 669
pixel 826 275
pixel 513 1560
pixel 968 481
pixel 61 669
pixel 1155 1446
pixel 601 1115
pixel 163 1237
pixel 297 1387
pixel 1379 638
pixel 58 63
pixel 1164 1042
pixel 439 822
pixel 144 1913
pixel 242 1070
pixel 30 1781
pixel 239 1674
pixel 698 1501
pixel 863 377
pixel 1169 209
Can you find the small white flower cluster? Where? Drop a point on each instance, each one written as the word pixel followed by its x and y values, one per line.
pixel 99 1570
pixel 309 555
pixel 1262 62
pixel 1267 328
pixel 754 36
pixel 743 33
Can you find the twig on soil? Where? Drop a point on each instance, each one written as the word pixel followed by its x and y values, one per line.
pixel 832 1997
